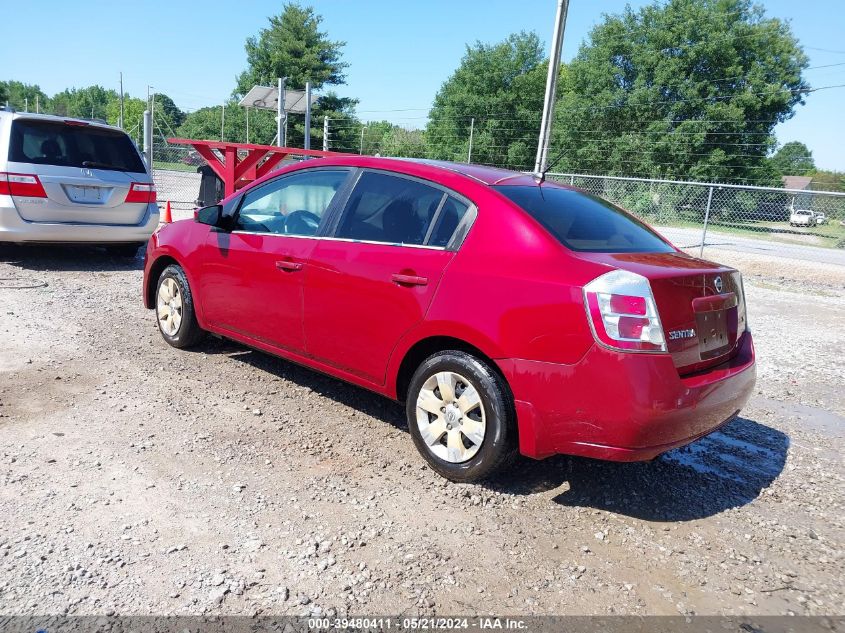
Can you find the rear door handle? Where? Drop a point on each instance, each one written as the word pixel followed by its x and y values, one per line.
pixel 409 280
pixel 290 266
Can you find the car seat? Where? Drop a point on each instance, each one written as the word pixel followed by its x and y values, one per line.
pixel 400 223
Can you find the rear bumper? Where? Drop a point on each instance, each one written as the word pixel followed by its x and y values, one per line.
pixel 624 407
pixel 13 228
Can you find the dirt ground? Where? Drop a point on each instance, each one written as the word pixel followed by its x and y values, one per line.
pixel 139 479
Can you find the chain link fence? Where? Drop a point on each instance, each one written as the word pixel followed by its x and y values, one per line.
pixel 694 216
pixel 800 224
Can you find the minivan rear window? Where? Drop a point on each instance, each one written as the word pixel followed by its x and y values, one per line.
pixel 584 222
pixel 43 142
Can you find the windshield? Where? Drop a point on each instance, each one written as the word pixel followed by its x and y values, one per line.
pixel 583 222
pixel 72 145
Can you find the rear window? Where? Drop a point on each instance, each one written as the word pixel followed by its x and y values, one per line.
pixel 583 222
pixel 57 143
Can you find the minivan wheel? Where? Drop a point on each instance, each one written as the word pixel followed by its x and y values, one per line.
pixel 461 416
pixel 175 313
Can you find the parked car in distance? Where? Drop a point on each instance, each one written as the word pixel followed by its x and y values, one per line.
pixel 192 157
pixel 802 217
pixel 508 314
pixel 71 180
pixel 821 218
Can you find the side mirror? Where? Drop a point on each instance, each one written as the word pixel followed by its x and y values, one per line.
pixel 212 215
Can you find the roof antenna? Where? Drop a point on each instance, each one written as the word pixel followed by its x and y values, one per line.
pixel 541 177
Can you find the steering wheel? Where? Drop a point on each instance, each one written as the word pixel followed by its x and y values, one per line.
pixel 302 222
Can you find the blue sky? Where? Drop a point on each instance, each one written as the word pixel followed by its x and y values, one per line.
pixel 399 51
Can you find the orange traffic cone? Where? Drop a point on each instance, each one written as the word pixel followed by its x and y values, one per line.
pixel 167 218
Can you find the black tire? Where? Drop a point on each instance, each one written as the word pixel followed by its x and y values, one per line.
pixel 188 332
pixel 124 250
pixel 499 446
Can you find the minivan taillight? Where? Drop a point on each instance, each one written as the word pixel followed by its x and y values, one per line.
pixel 141 192
pixel 26 185
pixel 622 313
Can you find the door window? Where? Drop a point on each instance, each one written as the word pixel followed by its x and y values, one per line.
pixel 293 205
pixel 450 216
pixel 389 209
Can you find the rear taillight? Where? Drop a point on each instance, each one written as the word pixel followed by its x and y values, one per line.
pixel 741 317
pixel 141 192
pixel 26 185
pixel 622 313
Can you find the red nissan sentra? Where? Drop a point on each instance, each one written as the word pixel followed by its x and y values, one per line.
pixel 509 314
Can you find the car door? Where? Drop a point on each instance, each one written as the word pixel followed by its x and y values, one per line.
pixel 375 276
pixel 251 278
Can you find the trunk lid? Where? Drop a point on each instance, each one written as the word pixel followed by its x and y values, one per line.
pixel 80 195
pixel 701 304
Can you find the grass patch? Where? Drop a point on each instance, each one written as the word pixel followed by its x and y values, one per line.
pixel 174 166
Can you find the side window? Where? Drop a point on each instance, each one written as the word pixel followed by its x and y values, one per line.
pixel 384 208
pixel 450 217
pixel 293 205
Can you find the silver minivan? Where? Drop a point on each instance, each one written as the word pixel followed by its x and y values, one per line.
pixel 72 180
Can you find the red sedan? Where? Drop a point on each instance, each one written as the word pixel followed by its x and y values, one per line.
pixel 508 314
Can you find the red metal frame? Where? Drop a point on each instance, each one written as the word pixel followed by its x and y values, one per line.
pixel 235 172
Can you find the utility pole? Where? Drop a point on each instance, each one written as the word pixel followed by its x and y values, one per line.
pixel 37 105
pixel 361 151
pixel 222 121
pixel 325 134
pixel 471 130
pixel 121 101
pixel 26 104
pixel 281 117
pixel 551 86
pixel 247 125
pixel 307 143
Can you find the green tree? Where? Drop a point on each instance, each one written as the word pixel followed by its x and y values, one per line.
pixel 343 124
pixel 501 86
pixel 680 89
pixel 293 47
pixel 371 140
pixel 793 159
pixel 825 180
pixel 22 96
pixel 167 113
pixel 90 102
pixel 133 116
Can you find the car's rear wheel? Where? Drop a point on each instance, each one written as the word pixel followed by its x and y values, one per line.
pixel 461 416
pixel 175 314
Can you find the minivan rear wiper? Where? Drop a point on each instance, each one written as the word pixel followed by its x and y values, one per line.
pixel 98 165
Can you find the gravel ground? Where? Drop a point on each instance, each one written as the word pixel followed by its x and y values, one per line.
pixel 138 479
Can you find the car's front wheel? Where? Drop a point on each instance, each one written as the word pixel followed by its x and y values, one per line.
pixel 461 416
pixel 175 314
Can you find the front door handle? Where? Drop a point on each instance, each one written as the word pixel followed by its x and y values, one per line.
pixel 290 266
pixel 409 280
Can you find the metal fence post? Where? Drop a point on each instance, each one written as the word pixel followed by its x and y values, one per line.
pixel 307 141
pixel 471 132
pixel 706 219
pixel 148 138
